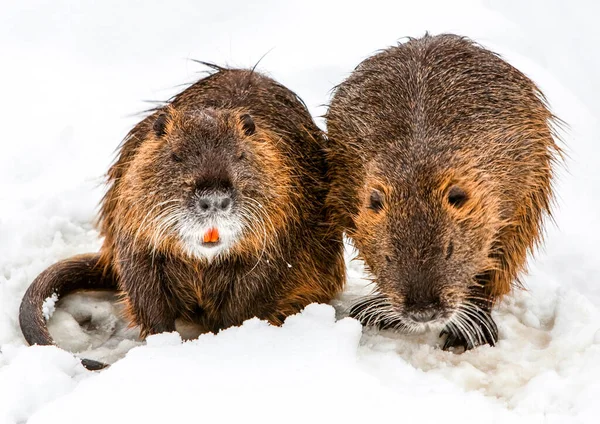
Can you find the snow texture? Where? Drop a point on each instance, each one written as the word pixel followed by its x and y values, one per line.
pixel 74 73
pixel 49 306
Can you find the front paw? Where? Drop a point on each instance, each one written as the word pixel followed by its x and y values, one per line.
pixel 469 330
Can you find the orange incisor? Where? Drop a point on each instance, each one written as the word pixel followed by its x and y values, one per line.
pixel 211 235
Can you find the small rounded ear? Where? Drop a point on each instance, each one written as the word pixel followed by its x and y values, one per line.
pixel 160 125
pixel 248 124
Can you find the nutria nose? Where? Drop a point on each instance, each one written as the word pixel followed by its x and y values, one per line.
pixel 215 202
pixel 424 316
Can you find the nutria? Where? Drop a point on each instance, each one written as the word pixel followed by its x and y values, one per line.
pixel 214 214
pixel 441 164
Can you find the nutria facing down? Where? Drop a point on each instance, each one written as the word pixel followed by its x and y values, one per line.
pixel 441 157
pixel 214 214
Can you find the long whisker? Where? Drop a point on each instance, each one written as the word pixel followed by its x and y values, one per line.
pixel 377 310
pixel 264 237
pixel 480 315
pixel 145 219
pixel 464 327
pixel 476 330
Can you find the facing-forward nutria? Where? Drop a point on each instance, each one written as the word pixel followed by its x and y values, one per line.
pixel 441 162
pixel 214 214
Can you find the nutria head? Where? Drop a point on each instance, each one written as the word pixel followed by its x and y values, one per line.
pixel 198 183
pixel 426 231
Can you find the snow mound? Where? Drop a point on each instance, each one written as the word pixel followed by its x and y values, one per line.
pixel 49 306
pixel 319 364
pixel 312 368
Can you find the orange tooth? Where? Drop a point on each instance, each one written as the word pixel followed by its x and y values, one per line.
pixel 211 235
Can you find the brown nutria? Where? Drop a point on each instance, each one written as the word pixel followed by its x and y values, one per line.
pixel 214 214
pixel 441 163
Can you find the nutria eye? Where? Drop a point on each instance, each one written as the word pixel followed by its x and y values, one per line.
pixel 247 124
pixel 242 156
pixel 175 157
pixel 457 197
pixel 388 259
pixel 376 201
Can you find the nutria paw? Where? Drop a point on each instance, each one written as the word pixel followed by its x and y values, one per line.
pixel 478 330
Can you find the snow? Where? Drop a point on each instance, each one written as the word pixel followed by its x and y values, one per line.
pixel 49 306
pixel 74 75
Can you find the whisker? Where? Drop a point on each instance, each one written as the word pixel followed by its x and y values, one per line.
pixel 476 330
pixel 463 326
pixel 482 316
pixel 145 219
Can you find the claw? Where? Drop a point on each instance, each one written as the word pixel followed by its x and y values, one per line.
pixel 486 327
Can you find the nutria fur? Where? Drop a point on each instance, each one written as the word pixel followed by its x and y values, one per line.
pixel 235 151
pixel 441 162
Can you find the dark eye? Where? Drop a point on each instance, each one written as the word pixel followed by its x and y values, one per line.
pixel 388 259
pixel 457 196
pixel 175 157
pixel 376 200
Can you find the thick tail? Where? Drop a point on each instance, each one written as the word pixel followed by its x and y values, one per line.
pixel 78 272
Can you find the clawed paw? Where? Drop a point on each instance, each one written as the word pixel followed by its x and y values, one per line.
pixel 478 328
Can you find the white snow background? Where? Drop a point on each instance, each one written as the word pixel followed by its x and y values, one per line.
pixel 72 77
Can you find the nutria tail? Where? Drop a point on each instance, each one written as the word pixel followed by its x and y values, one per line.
pixel 79 272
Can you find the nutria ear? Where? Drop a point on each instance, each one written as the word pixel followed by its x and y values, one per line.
pixel 247 124
pixel 160 125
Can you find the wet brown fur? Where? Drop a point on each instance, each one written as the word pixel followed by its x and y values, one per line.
pixel 416 120
pixel 295 257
